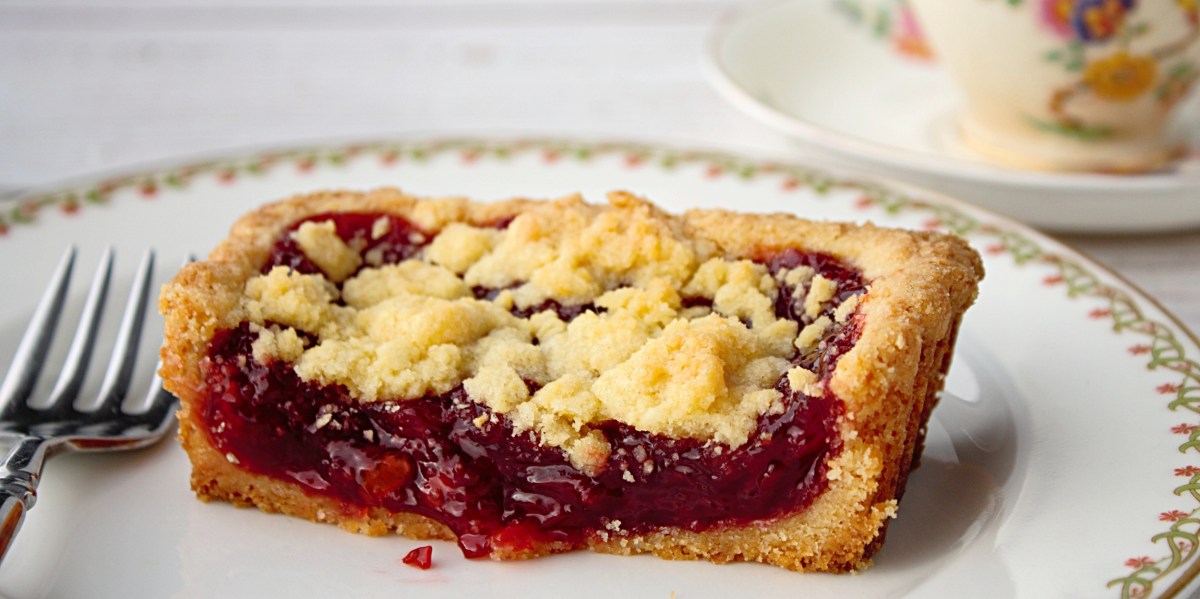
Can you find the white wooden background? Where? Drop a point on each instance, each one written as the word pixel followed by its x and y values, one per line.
pixel 87 86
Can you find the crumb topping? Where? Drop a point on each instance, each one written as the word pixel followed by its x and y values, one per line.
pixel 380 227
pixel 459 246
pixel 637 354
pixel 276 343
pixel 577 253
pixel 320 242
pixel 804 380
pixel 820 291
pixel 811 334
pixel 842 313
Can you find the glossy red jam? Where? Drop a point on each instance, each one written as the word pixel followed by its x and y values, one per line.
pixel 496 490
pixel 421 557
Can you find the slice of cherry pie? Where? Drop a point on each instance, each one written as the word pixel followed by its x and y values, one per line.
pixel 533 377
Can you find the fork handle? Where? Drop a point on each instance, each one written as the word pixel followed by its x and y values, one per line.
pixel 19 476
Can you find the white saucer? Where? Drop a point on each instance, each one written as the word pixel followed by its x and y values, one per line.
pixel 808 70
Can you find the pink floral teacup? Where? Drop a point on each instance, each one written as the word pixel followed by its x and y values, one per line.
pixel 1069 85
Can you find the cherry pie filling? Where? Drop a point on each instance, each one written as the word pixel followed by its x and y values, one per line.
pixel 496 490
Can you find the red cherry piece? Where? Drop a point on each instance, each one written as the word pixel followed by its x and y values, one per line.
pixel 421 557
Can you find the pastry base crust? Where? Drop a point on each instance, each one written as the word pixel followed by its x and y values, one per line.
pixel 920 284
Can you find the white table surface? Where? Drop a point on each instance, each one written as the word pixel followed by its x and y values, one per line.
pixel 90 86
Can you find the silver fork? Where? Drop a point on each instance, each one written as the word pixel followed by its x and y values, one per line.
pixel 62 424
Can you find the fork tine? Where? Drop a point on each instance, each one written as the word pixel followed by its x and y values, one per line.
pixel 159 403
pixel 75 367
pixel 120 367
pixel 31 352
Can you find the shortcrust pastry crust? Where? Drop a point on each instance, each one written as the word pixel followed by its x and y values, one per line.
pixel 711 370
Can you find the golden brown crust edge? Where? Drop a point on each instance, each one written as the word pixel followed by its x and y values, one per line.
pixel 920 285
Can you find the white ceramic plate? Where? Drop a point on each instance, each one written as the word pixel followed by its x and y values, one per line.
pixel 1068 467
pixel 806 69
